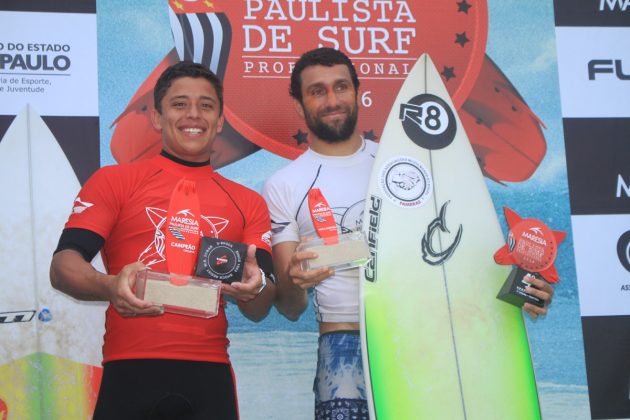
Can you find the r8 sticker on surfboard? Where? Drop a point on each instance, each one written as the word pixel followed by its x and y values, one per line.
pixel 428 121
pixel 405 181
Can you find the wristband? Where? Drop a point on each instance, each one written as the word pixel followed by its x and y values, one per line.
pixel 264 281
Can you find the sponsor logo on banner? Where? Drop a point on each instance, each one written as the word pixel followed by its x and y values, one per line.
pixel 623 250
pixel 40 57
pixel 594 68
pixel 598 165
pixel 592 13
pixel 614 5
pixel 44 67
pixel 601 246
pixel 623 187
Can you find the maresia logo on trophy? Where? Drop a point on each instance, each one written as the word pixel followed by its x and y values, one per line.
pixel 532 247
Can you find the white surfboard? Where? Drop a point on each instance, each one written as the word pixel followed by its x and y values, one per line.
pixel 38 188
pixel 437 344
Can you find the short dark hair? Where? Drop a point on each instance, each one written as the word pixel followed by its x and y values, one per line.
pixel 320 56
pixel 185 69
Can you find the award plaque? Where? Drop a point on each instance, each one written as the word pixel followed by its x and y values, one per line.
pixel 178 291
pixel 340 252
pixel 532 248
pixel 184 295
pixel 221 260
pixel 351 250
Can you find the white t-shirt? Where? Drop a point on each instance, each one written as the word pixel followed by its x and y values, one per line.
pixel 343 182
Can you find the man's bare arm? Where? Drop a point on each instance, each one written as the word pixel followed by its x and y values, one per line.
pixel 292 283
pixel 72 275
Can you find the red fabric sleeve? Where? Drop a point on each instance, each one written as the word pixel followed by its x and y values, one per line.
pixel 97 205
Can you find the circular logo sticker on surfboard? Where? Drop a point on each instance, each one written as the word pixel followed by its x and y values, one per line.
pixel 405 181
pixel 428 121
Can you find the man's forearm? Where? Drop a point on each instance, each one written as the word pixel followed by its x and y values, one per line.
pixel 258 308
pixel 72 275
pixel 291 300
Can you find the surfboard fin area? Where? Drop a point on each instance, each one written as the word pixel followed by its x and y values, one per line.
pixel 504 132
pixel 134 137
pixel 436 342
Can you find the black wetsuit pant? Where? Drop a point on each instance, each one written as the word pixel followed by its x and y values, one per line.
pixel 154 389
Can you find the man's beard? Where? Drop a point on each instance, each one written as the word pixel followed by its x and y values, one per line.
pixel 332 134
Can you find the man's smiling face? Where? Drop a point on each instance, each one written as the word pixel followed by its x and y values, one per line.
pixel 190 119
pixel 329 102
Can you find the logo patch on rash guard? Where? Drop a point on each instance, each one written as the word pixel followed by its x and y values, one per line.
pixel 80 206
pixel 266 237
pixel 277 227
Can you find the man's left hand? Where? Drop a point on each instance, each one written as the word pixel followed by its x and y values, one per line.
pixel 541 289
pixel 251 283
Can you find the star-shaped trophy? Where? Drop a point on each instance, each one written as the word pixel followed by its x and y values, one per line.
pixel 532 248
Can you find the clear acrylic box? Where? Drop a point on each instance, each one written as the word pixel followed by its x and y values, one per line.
pixel 178 294
pixel 350 251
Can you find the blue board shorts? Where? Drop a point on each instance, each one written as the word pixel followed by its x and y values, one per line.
pixel 339 385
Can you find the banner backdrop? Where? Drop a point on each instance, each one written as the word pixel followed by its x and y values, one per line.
pixel 496 57
pixel 593 40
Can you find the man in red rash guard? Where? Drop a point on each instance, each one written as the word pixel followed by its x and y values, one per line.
pixel 163 365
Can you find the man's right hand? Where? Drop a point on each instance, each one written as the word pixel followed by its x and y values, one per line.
pixel 71 274
pixel 310 278
pixel 292 282
pixel 122 297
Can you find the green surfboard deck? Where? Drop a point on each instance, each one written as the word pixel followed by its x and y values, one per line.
pixel 437 344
